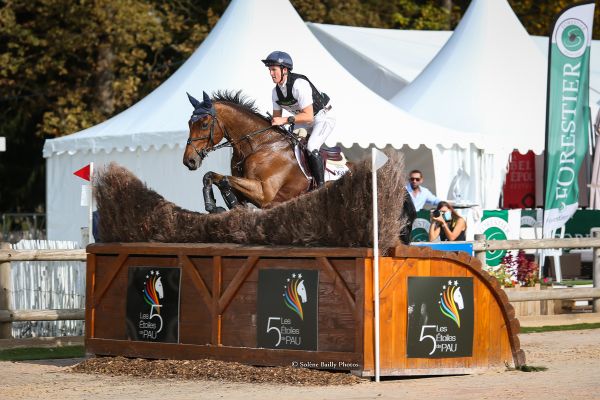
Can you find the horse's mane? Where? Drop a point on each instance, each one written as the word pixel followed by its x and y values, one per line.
pixel 242 102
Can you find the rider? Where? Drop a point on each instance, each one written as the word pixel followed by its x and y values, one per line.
pixel 310 108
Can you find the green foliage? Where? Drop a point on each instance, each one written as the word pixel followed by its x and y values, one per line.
pixel 550 328
pixel 41 353
pixel 66 65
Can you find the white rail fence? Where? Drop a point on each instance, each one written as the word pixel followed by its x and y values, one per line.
pixel 55 293
pixel 40 298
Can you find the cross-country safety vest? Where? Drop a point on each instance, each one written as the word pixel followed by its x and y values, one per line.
pixel 320 99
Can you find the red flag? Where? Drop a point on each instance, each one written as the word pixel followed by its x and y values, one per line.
pixel 83 173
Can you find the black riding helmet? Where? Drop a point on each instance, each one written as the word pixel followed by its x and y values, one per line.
pixel 280 58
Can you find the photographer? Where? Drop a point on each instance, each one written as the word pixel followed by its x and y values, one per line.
pixel 447 224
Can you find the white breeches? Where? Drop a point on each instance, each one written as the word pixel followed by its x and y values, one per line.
pixel 322 127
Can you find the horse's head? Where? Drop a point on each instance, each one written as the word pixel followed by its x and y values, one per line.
pixel 203 135
pixel 458 299
pixel 159 288
pixel 302 292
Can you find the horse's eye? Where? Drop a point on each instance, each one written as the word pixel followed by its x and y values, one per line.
pixel 204 125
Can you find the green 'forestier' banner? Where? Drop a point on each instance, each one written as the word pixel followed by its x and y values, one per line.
pixel 568 123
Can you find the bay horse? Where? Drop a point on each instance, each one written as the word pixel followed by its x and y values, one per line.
pixel 264 168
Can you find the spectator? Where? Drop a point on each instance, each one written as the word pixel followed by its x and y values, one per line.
pixel 420 195
pixel 447 224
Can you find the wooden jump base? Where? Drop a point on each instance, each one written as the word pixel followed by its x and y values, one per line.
pixel 221 314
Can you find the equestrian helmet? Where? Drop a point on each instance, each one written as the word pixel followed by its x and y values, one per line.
pixel 280 58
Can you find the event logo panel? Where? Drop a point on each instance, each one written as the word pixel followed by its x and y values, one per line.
pixel 440 317
pixel 153 304
pixel 287 309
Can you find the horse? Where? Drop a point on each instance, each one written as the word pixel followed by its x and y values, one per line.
pixel 265 171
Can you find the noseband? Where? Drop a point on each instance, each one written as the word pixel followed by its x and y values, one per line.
pixel 203 153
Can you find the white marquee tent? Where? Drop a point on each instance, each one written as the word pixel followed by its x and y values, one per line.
pixel 387 60
pixel 148 138
pixel 477 64
pixel 488 77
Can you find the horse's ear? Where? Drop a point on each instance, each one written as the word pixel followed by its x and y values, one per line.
pixel 207 101
pixel 194 102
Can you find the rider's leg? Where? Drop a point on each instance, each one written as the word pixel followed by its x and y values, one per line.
pixel 322 127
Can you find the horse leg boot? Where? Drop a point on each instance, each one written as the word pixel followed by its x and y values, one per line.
pixel 210 204
pixel 230 198
pixel 315 162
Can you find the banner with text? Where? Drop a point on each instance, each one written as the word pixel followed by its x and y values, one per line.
pixel 519 186
pixel 420 227
pixel 440 317
pixel 568 113
pixel 153 304
pixel 287 309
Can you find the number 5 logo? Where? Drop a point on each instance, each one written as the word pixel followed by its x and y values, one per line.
pixel 274 328
pixel 155 314
pixel 428 336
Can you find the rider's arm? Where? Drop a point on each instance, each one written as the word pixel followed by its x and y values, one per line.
pixel 303 117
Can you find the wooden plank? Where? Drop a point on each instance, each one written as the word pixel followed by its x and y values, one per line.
pixel 237 281
pixel 387 312
pixel 482 328
pixel 339 283
pixel 227 250
pixel 42 255
pixel 359 310
pixel 266 357
pixel 524 244
pixel 190 270
pixel 90 279
pixel 42 315
pixel 44 342
pixel 555 294
pixel 369 315
pixel 216 290
pixel 116 267
pixel 6 287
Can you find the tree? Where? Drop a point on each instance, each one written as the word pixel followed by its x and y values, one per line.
pixel 68 65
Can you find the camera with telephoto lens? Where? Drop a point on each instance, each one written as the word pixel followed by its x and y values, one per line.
pixel 436 213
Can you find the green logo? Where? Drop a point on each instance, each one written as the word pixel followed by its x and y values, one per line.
pixel 494 257
pixel 571 37
pixel 420 230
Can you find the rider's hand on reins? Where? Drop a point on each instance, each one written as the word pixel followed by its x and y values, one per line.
pixel 279 121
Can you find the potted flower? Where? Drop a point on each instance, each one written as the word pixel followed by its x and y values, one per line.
pixel 523 273
pixel 523 269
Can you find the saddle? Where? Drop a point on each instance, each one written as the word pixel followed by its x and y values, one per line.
pixel 334 161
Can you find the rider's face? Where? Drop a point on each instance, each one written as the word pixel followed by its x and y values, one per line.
pixel 275 72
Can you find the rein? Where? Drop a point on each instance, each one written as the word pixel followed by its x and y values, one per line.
pixel 203 153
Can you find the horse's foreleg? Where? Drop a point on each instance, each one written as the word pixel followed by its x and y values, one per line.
pixel 230 198
pixel 210 204
pixel 259 193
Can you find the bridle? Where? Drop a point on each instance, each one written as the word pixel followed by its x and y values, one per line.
pixel 203 152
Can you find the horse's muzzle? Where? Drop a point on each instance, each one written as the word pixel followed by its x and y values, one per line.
pixel 193 163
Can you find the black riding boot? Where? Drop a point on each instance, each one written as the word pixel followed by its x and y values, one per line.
pixel 315 162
